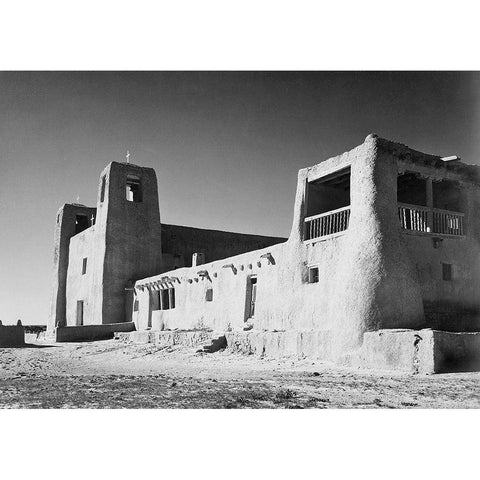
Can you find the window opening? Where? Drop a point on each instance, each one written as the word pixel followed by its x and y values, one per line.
pixel 102 189
pixel 81 223
pixel 447 273
pixel 209 295
pixel 84 266
pixel 447 195
pixel 411 189
pixel 313 275
pixel 133 189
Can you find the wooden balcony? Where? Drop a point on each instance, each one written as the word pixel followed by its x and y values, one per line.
pixel 326 224
pixel 431 220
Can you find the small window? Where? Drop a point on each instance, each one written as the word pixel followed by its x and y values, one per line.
pixel 447 272
pixel 313 275
pixel 84 266
pixel 135 306
pixel 209 295
pixel 133 189
pixel 166 299
pixel 102 189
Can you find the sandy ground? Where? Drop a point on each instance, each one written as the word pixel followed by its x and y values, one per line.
pixel 113 374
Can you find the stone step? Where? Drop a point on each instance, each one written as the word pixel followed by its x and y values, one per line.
pixel 216 344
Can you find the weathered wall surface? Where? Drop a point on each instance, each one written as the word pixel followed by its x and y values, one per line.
pixel 80 286
pixel 182 242
pixel 129 236
pixel 375 281
pixel 64 230
pixel 315 344
pixel 12 336
pixel 418 351
pixel 91 332
pixel 449 305
pixel 456 351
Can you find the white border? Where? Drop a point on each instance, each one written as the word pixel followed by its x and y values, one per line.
pixel 218 35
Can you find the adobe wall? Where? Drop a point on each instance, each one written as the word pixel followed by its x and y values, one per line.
pixel 184 241
pixel 12 336
pixel 418 351
pixel 64 230
pixel 364 281
pixel 449 305
pixel 90 333
pixel 227 310
pixel 81 286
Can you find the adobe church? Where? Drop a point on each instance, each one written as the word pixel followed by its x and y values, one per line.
pixel 381 268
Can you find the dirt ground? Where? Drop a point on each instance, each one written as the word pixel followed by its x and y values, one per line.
pixel 113 374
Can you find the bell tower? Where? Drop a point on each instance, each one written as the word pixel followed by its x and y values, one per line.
pixel 127 240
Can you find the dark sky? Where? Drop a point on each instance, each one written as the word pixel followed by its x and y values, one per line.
pixel 226 146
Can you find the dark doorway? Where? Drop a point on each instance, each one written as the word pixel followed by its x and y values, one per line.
pixel 79 312
pixel 251 297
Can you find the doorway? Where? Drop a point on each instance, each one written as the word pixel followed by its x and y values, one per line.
pixel 251 297
pixel 79 312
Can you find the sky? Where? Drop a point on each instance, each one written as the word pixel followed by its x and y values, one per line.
pixel 226 147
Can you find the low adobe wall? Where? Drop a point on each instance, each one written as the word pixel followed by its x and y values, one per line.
pixel 192 338
pixel 407 351
pixel 86 333
pixel 315 344
pixel 418 351
pixel 12 336
pixel 456 351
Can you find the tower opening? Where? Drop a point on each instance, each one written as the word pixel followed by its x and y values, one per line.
pixel 102 189
pixel 133 189
pixel 81 223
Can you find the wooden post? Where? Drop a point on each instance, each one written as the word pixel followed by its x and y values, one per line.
pixel 429 204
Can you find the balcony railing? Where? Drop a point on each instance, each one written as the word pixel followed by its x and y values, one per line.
pixel 327 223
pixel 426 220
pixel 412 217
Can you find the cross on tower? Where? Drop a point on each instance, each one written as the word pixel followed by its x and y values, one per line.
pixel 128 156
